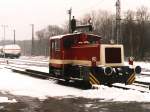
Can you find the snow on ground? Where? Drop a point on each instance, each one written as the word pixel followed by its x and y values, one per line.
pixel 144 65
pixel 115 94
pixel 6 100
pixel 43 58
pixel 143 78
pixel 42 69
pixel 145 70
pixel 18 84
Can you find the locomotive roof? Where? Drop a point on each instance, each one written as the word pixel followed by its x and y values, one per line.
pixel 66 35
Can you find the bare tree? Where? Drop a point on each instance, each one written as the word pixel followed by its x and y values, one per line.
pixel 142 16
pixel 43 37
pixel 128 32
pixel 102 23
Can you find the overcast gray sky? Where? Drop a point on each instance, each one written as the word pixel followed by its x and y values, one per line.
pixel 19 14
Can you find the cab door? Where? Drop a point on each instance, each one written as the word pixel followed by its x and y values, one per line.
pixel 55 49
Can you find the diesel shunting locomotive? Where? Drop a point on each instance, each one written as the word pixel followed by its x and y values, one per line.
pixel 82 56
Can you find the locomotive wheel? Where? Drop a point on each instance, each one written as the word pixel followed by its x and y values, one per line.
pixel 66 79
pixel 109 84
pixel 86 85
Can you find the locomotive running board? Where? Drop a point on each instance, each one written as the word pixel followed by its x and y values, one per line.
pixel 93 80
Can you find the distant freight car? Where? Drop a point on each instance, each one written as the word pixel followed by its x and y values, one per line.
pixel 81 56
pixel 10 51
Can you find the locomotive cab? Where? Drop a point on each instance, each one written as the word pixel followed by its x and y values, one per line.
pixel 81 56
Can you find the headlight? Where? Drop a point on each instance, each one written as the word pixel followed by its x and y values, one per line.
pixel 108 70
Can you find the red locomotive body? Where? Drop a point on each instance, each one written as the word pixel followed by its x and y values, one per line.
pixel 81 56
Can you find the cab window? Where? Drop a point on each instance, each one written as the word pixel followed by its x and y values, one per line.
pixel 55 45
pixel 68 42
pixel 52 45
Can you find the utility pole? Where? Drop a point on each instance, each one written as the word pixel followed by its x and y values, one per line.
pixel 4 37
pixel 14 36
pixel 70 12
pixel 32 44
pixel 118 20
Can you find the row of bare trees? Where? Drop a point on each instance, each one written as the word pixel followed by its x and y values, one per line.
pixel 135 31
pixel 43 38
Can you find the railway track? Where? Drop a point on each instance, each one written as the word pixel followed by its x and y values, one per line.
pixel 143 86
pixel 138 86
pixel 27 71
pixel 43 75
pixel 21 62
pixel 23 66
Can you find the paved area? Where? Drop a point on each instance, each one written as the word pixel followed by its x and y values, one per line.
pixel 59 104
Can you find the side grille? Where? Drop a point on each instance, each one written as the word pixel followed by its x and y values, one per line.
pixel 113 55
